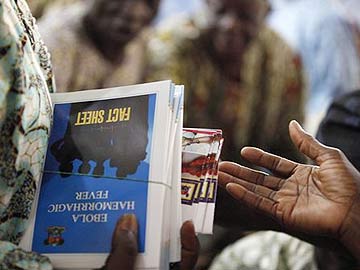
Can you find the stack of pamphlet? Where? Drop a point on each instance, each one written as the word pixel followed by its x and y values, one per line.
pixel 200 157
pixel 117 151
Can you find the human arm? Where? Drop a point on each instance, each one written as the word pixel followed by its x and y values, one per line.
pixel 313 202
pixel 15 73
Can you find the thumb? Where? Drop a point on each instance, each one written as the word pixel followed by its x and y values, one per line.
pixel 189 246
pixel 306 143
pixel 124 248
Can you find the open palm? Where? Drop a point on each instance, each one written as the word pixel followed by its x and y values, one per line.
pixel 304 198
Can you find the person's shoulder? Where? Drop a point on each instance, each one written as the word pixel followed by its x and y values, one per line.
pixel 278 62
pixel 272 41
pixel 277 49
pixel 173 38
pixel 270 46
pixel 53 24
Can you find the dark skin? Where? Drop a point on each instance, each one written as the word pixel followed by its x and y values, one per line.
pixel 235 24
pixel 111 24
pixel 124 248
pixel 299 197
pixel 319 203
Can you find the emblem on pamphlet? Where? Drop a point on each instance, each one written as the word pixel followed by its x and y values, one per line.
pixel 54 236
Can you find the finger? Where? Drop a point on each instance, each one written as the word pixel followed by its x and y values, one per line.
pixel 307 144
pixel 278 165
pixel 189 246
pixel 260 190
pixel 230 172
pixel 124 248
pixel 270 182
pixel 252 199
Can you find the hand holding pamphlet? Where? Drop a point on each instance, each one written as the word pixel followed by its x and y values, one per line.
pixel 117 151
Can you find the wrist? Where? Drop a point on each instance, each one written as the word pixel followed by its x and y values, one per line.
pixel 350 232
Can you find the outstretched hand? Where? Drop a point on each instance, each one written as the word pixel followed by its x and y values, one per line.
pixel 320 200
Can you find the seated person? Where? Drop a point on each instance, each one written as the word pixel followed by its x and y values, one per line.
pixel 237 75
pixel 100 44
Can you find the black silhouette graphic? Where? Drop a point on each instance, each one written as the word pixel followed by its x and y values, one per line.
pixel 104 130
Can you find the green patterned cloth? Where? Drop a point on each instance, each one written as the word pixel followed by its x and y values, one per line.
pixel 25 117
pixel 266 251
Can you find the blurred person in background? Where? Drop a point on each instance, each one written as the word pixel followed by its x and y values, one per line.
pixel 239 76
pixel 326 33
pixel 98 44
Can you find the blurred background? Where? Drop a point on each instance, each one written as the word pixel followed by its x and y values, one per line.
pixel 170 8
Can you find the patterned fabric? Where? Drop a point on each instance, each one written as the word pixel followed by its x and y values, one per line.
pixel 25 116
pixel 78 65
pixel 266 251
pixel 255 111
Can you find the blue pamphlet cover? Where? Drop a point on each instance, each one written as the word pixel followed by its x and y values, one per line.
pixel 96 169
